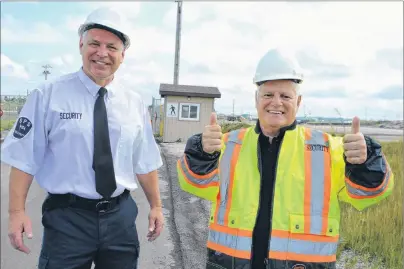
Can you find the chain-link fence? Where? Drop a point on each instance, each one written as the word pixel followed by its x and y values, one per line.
pixel 11 106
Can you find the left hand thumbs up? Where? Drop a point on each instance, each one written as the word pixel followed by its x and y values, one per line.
pixel 355 145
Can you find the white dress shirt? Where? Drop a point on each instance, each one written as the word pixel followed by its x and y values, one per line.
pixel 53 137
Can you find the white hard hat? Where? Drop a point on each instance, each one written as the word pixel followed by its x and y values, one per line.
pixel 276 65
pixel 108 19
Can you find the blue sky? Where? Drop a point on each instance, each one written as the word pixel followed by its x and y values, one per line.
pixel 352 53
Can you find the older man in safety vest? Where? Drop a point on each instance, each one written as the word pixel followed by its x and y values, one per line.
pixel 275 188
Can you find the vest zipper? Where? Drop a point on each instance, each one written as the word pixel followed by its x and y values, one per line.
pixel 272 201
pixel 259 199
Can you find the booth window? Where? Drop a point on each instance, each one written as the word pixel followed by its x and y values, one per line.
pixel 189 111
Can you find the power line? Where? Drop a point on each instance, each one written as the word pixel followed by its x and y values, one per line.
pixel 46 72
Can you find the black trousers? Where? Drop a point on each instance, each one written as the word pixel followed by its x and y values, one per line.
pixel 75 238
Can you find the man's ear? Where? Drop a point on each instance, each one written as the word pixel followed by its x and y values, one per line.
pixel 299 100
pixel 81 45
pixel 123 54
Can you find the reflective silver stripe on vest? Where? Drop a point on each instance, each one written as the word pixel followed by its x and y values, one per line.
pixel 318 147
pixel 242 243
pixel 364 193
pixel 225 165
pixel 303 247
pixel 198 181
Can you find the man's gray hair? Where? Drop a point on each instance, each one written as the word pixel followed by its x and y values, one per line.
pixel 84 35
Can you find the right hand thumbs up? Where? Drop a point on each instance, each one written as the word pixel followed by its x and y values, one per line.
pixel 213 119
pixel 212 136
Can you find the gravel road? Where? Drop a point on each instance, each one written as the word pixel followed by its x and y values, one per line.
pixel 191 214
pixel 163 253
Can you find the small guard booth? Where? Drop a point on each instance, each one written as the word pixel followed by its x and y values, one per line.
pixel 187 109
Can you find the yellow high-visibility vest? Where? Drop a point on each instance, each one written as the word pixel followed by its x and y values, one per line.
pixel 310 182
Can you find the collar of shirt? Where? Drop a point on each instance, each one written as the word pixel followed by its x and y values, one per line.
pixel 282 130
pixel 93 87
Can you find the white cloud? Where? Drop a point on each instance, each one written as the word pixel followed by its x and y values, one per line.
pixel 191 13
pixel 73 22
pixel 145 72
pixel 340 32
pixel 66 59
pixel 226 40
pixel 14 31
pixel 10 68
pixel 128 9
pixel 343 34
pixel 65 63
pixel 147 41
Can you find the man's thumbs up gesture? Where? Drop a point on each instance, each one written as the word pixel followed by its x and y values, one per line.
pixel 211 136
pixel 355 145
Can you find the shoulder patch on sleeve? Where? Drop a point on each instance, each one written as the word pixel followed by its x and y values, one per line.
pixel 22 128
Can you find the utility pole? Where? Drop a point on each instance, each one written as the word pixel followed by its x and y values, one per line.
pixel 177 42
pixel 233 106
pixel 46 72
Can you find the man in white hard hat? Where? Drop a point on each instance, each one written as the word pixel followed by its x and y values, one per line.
pixel 275 187
pixel 88 142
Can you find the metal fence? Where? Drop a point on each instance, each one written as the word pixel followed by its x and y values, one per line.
pixel 11 106
pixel 156 111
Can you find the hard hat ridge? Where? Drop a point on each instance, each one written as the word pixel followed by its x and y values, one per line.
pixel 106 18
pixel 276 65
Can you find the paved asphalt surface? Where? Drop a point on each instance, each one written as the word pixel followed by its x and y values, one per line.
pixel 162 253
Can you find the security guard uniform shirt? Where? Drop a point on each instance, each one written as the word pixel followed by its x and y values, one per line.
pixel 53 136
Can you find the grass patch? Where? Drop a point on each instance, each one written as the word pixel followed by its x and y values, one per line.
pixel 6 124
pixel 227 127
pixel 377 232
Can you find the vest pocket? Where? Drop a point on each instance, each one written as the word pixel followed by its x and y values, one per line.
pixel 312 238
pixel 314 225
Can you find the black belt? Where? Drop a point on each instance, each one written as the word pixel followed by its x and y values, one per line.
pixel 54 201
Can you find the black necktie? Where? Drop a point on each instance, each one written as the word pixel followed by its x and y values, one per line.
pixel 102 160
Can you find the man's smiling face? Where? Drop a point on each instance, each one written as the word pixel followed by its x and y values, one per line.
pixel 102 53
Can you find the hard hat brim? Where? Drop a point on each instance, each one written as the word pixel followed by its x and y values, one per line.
pixel 296 78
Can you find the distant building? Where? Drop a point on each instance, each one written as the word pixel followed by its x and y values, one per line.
pixel 187 109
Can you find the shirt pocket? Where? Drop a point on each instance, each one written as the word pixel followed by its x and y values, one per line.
pixel 69 125
pixel 129 136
